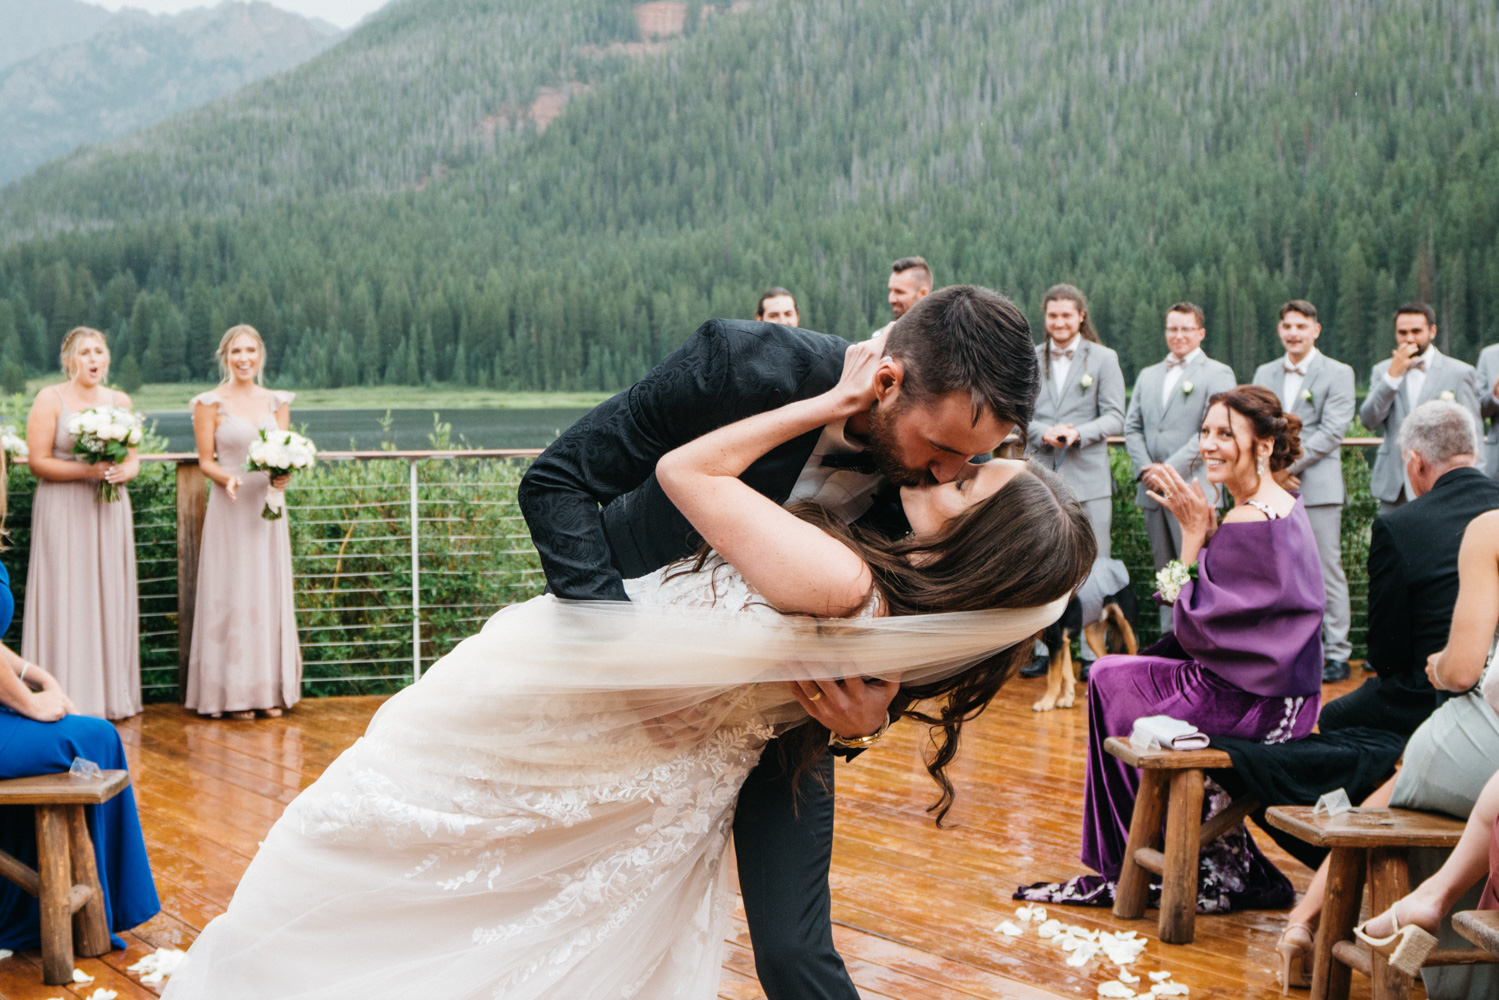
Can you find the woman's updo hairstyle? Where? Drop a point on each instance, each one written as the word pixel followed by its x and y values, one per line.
pixel 70 343
pixel 1267 421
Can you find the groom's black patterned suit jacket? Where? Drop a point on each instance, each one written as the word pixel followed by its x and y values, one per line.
pixel 597 514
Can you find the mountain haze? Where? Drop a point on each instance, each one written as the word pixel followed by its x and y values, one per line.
pixel 136 69
pixel 393 211
pixel 33 26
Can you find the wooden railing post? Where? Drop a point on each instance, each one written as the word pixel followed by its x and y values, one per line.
pixel 192 504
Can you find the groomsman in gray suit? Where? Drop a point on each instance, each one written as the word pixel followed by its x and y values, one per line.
pixel 1160 427
pixel 1080 403
pixel 1415 372
pixel 1488 405
pixel 1319 390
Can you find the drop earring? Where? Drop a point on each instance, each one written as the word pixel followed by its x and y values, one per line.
pixel 1259 466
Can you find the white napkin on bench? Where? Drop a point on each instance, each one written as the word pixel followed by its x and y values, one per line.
pixel 1153 732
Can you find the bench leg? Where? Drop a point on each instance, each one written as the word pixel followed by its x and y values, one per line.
pixel 1179 873
pixel 1345 893
pixel 57 891
pixel 1132 894
pixel 1389 881
pixel 90 924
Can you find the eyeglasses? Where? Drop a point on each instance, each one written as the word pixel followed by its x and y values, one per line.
pixel 1182 329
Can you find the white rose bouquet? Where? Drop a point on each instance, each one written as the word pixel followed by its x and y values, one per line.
pixel 13 444
pixel 105 434
pixel 279 453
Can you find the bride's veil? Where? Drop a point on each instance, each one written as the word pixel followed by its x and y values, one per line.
pixel 544 677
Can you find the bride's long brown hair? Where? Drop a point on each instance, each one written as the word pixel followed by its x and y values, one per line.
pixel 1027 545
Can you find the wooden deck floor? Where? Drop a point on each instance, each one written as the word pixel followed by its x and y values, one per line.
pixel 915 907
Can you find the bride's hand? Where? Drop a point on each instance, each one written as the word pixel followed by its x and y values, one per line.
pixel 852 708
pixel 854 392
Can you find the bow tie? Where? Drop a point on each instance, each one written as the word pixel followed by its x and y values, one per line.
pixel 1064 354
pixel 1418 365
pixel 1175 362
pixel 1293 369
pixel 861 462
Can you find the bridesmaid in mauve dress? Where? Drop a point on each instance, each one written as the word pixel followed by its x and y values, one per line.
pixel 82 616
pixel 1245 659
pixel 244 654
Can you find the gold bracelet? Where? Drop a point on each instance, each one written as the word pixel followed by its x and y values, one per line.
pixel 859 742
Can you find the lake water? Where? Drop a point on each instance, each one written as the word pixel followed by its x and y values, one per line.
pixel 339 430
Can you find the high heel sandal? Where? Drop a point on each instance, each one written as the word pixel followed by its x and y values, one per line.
pixel 1295 959
pixel 1406 949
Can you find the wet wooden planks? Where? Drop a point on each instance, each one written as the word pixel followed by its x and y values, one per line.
pixel 914 907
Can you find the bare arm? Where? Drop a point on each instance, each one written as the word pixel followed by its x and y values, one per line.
pixel 38 697
pixel 283 421
pixel 205 417
pixel 1189 505
pixel 795 565
pixel 41 431
pixel 1476 613
pixel 131 467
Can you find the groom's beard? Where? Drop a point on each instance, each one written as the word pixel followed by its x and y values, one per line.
pixel 885 449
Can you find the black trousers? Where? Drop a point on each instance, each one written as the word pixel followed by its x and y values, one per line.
pixel 783 837
pixel 1378 704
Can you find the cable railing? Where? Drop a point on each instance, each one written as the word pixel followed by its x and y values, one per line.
pixel 398 555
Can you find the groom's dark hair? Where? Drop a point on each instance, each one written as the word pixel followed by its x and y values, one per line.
pixel 966 338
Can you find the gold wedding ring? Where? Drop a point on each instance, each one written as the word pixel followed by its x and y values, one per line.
pixel 815 695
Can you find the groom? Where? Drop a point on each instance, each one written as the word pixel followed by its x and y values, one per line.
pixel 958 372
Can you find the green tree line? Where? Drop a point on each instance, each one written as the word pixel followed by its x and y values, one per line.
pixel 1146 150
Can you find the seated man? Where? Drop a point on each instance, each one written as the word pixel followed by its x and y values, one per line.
pixel 1413 570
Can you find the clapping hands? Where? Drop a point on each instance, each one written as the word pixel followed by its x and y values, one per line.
pixel 1197 515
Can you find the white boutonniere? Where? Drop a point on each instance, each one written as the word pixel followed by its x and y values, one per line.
pixel 1447 395
pixel 1307 395
pixel 1187 388
pixel 1085 381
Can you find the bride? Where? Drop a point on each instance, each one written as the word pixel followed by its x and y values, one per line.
pixel 546 813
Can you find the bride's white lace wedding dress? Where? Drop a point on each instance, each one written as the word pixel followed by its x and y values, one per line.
pixel 545 814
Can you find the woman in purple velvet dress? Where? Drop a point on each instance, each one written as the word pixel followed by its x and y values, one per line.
pixel 1245 658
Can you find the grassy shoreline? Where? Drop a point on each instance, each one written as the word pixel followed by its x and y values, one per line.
pixel 159 396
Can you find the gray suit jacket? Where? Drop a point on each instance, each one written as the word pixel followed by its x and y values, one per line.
pixel 1488 372
pixel 1325 406
pixel 1095 409
pixel 1385 409
pixel 1156 433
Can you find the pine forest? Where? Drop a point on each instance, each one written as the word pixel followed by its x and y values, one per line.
pixel 552 196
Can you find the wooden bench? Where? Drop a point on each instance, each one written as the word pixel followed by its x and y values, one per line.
pixel 1479 926
pixel 66 880
pixel 1171 792
pixel 1367 844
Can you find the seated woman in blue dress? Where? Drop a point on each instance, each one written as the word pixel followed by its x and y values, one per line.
pixel 38 736
pixel 1245 659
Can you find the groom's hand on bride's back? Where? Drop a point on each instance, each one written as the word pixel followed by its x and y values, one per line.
pixel 852 708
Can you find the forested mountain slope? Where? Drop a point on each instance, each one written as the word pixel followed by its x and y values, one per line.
pixel 362 214
pixel 138 69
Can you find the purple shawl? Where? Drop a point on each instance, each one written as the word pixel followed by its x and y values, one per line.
pixel 1254 614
